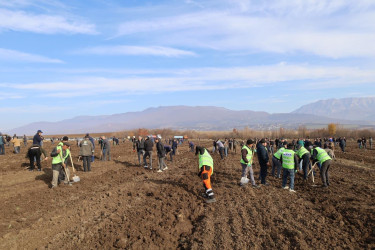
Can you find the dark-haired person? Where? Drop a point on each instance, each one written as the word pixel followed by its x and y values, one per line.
pixel 263 160
pixel 205 170
pixel 247 153
pixel 58 162
pixel 289 162
pixel 321 156
pixel 86 151
pixel 34 153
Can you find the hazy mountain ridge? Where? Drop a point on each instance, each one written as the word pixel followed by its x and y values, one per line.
pixel 347 109
pixel 181 117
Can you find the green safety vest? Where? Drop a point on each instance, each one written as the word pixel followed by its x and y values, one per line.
pixel 322 155
pixel 277 155
pixel 58 158
pixel 249 156
pixel 300 152
pixel 206 160
pixel 288 159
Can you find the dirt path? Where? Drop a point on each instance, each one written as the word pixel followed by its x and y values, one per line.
pixel 122 205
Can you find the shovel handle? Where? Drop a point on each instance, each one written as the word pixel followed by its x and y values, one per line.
pixel 71 160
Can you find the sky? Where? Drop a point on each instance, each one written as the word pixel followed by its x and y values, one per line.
pixel 61 59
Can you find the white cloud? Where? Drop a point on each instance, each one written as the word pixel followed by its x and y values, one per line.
pixel 334 29
pixel 307 76
pixel 39 23
pixel 13 55
pixel 136 50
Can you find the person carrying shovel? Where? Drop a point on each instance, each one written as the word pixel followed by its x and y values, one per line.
pixel 247 154
pixel 58 162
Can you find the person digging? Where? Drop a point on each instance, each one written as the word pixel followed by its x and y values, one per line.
pixel 206 169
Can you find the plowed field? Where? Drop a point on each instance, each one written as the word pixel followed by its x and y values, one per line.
pixel 121 205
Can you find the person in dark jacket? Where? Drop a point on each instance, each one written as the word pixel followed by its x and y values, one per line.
pixel 106 147
pixel 140 146
pixel 38 138
pixel 86 151
pixel 161 155
pixel 263 160
pixel 148 152
pixel 342 144
pixel 168 150
pixel 2 144
pixel 93 144
pixel 34 153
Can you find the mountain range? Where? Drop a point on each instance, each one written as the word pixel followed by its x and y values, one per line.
pixel 349 111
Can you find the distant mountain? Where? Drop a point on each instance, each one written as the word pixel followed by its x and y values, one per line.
pixel 347 109
pixel 178 117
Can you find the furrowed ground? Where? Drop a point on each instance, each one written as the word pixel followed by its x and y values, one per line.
pixel 122 205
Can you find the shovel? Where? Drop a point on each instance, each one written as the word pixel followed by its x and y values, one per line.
pixel 66 173
pixel 312 174
pixel 75 177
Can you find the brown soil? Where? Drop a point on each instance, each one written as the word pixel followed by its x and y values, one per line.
pixel 122 205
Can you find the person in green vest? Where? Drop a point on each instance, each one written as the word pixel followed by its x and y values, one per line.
pixel 320 156
pixel 276 164
pixel 304 156
pixel 58 161
pixel 205 170
pixel 66 156
pixel 289 162
pixel 247 154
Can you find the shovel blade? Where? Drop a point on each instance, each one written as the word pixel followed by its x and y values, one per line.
pixel 76 179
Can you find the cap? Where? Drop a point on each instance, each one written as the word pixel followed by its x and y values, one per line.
pixel 39 131
pixel 249 141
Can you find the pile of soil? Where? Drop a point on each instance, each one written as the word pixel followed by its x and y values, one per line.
pixel 119 204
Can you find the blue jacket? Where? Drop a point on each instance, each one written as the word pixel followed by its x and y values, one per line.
pixel 37 139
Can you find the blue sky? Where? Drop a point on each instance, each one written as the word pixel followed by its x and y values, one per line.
pixel 61 59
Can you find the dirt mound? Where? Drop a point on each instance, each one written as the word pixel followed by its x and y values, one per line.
pixel 121 205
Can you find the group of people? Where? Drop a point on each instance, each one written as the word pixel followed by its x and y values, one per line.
pixel 144 148
pixel 223 146
pixel 288 158
pixel 362 142
pixel 15 140
pixel 283 158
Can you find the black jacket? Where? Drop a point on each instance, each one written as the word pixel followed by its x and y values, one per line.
pixel 160 149
pixel 262 154
pixel 140 144
pixel 148 145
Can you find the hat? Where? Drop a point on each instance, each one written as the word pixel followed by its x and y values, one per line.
pixel 65 138
pixel 66 144
pixel 249 141
pixel 39 131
